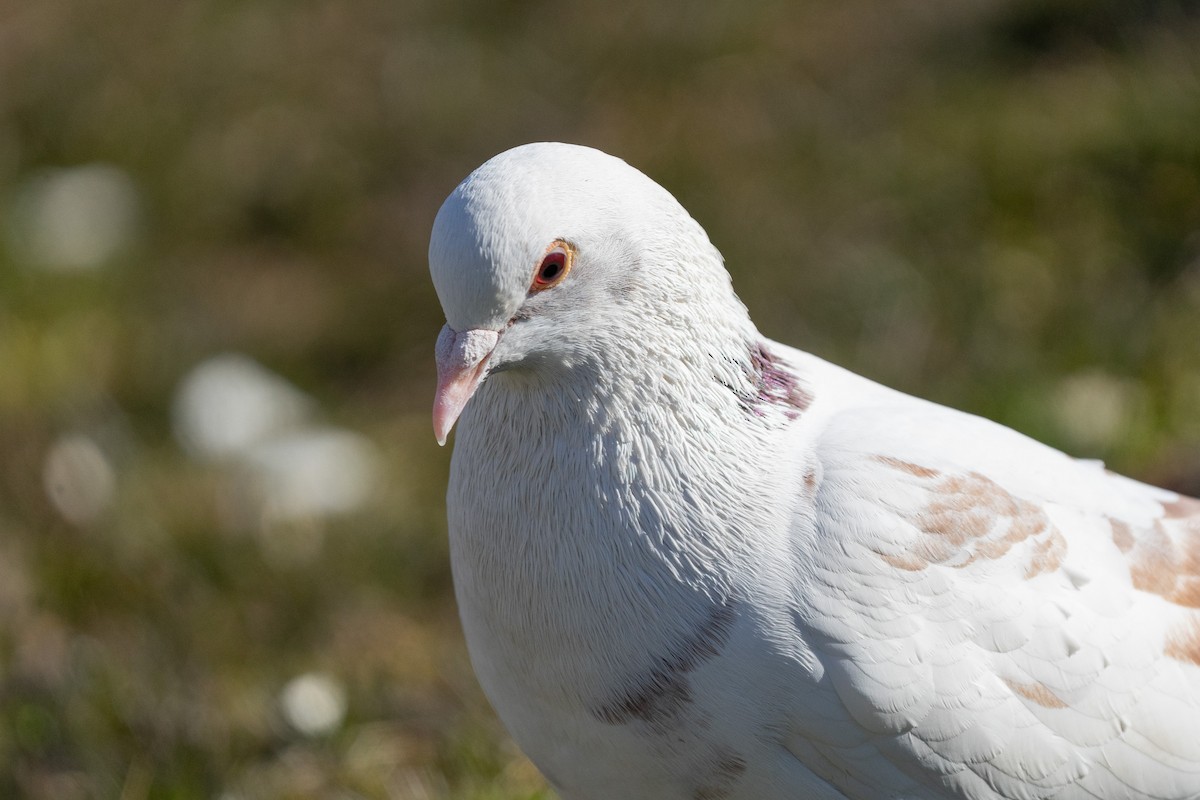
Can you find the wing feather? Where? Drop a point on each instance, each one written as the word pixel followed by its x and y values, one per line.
pixel 996 619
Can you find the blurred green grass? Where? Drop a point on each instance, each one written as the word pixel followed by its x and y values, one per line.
pixel 996 206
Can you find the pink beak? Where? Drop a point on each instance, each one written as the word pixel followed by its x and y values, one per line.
pixel 462 358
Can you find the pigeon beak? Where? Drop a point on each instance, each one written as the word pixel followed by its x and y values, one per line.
pixel 462 358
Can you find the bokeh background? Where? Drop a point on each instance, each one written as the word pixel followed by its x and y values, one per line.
pixel 223 567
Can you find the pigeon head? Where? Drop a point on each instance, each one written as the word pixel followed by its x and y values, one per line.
pixel 549 255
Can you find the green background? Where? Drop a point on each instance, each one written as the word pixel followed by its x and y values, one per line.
pixel 995 205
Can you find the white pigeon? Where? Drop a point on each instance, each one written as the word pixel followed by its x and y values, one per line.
pixel 695 564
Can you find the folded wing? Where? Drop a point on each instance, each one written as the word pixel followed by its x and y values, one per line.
pixel 994 618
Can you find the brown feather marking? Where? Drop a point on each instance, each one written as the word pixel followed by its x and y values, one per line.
pixel 1160 565
pixel 1183 642
pixel 907 466
pixel 1186 510
pixel 1153 566
pixel 1187 592
pixel 1183 507
pixel 969 517
pixel 725 775
pixel 905 562
pixel 1048 555
pixel 969 507
pixel 661 696
pixel 1036 692
pixel 1122 534
pixel 1027 520
pixel 962 509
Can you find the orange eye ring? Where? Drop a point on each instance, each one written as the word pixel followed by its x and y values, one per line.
pixel 554 266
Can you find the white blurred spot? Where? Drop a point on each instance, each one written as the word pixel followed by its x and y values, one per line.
pixel 314 703
pixel 1091 407
pixel 313 473
pixel 284 475
pixel 78 479
pixel 75 219
pixel 230 403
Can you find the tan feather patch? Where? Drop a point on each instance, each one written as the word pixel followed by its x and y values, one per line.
pixel 969 517
pixel 1122 535
pixel 905 562
pixel 1038 693
pixel 1164 558
pixel 1183 642
pixel 907 466
pixel 1183 507
pixel 1048 555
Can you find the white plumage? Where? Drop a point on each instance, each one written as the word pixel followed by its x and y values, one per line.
pixel 694 564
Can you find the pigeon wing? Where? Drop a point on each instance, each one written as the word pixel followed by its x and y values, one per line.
pixel 994 618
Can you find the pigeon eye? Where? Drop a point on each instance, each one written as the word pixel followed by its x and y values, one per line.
pixel 554 267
